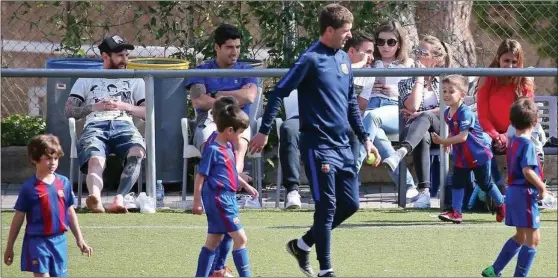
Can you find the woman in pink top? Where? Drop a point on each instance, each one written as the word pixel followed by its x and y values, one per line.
pixel 495 96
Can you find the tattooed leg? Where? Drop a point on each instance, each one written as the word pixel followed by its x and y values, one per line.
pixel 131 171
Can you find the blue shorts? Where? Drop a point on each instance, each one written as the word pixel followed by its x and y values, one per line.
pixel 106 137
pixel 221 209
pixel 45 255
pixel 522 209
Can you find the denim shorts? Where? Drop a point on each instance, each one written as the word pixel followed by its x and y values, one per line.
pixel 105 137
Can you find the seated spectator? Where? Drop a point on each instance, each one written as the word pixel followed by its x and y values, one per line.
pixel 359 48
pixel 379 103
pixel 108 106
pixel 495 96
pixel 205 90
pixel 420 98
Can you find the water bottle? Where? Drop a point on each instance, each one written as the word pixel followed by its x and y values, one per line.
pixel 160 194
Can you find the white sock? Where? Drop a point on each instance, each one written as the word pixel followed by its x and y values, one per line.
pixel 402 152
pixel 302 245
pixel 322 272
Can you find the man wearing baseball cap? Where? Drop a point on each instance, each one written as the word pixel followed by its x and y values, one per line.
pixel 108 105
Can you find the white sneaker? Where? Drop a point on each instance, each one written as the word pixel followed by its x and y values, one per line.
pixel 423 200
pixel 130 201
pixel 293 200
pixel 393 160
pixel 412 192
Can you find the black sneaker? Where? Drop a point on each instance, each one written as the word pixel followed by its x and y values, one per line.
pixel 302 257
pixel 328 274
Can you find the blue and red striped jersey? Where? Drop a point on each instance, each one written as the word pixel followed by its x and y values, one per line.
pixel 475 150
pixel 521 153
pixel 219 167
pixel 45 205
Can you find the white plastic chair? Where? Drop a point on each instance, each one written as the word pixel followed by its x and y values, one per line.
pixel 76 129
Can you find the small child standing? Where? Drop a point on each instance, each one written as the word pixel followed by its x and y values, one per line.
pixel 525 188
pixel 219 268
pixel 45 200
pixel 216 183
pixel 470 150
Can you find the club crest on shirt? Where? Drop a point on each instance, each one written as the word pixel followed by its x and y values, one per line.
pixel 35 262
pixel 236 220
pixel 345 68
pixel 61 193
pixel 537 219
pixel 325 168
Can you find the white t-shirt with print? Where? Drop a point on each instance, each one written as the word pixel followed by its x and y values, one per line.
pixel 93 90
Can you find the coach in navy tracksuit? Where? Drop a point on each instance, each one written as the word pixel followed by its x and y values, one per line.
pixel 327 106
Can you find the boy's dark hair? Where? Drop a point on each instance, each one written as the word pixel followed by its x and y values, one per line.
pixel 231 116
pixel 524 113
pixel 359 37
pixel 334 15
pixel 221 103
pixel 226 32
pixel 45 144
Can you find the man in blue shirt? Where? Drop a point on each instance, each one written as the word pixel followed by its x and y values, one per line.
pixel 205 90
pixel 327 106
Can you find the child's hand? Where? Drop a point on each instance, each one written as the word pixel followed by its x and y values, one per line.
pixel 197 207
pixel 85 249
pixel 251 191
pixel 447 148
pixel 9 256
pixel 436 138
pixel 542 194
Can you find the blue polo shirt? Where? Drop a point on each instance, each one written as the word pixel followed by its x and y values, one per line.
pixel 328 106
pixel 214 84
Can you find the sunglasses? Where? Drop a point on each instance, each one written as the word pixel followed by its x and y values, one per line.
pixel 422 52
pixel 382 42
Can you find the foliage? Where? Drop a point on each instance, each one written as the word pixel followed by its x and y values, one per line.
pixel 18 129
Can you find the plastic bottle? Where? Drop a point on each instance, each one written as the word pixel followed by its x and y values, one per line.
pixel 160 194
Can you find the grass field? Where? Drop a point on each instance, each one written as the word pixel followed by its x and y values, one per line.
pixel 372 243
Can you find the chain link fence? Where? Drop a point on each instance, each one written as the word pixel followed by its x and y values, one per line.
pixel 35 31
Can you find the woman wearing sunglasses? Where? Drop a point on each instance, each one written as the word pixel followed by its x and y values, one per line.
pixel 381 114
pixel 420 100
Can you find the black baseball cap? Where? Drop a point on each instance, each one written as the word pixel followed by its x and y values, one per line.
pixel 114 44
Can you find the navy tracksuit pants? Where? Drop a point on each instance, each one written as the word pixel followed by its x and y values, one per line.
pixel 334 186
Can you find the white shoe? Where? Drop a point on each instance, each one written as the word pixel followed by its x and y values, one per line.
pixel 130 201
pixel 423 200
pixel 393 160
pixel 293 200
pixel 412 192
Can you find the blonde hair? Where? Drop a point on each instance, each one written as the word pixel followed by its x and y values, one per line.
pixel 460 82
pixel 392 26
pixel 512 46
pixel 440 50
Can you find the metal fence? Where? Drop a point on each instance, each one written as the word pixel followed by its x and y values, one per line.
pixel 35 31
pixel 149 76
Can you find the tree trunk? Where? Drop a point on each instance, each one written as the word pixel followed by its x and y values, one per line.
pixel 406 17
pixel 449 21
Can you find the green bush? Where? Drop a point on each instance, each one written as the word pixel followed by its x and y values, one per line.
pixel 18 129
